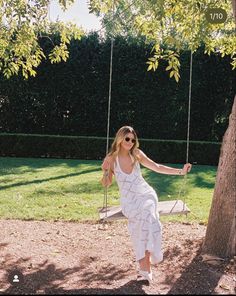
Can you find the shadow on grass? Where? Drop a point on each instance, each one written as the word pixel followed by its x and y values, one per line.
pixel 13 165
pixel 163 184
pixel 171 185
pixel 49 179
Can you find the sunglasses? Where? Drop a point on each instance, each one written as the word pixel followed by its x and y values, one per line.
pixel 127 139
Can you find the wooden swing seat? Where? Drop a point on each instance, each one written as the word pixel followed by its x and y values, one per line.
pixel 170 207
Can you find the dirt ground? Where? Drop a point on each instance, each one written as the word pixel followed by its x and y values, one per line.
pixel 94 258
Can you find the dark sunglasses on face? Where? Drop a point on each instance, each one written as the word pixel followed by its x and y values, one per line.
pixel 127 139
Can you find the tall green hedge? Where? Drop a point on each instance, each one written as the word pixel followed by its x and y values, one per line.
pixel 71 98
pixel 163 151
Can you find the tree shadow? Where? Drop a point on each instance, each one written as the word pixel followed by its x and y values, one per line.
pixel 49 179
pixel 48 279
pixel 14 165
pixel 130 288
pixel 196 278
pixel 170 185
pixel 200 182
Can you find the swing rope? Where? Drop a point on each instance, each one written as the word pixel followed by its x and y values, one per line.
pixel 109 113
pixel 183 187
pixel 188 129
pixel 189 104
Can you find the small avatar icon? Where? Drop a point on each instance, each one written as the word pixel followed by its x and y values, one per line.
pixel 16 279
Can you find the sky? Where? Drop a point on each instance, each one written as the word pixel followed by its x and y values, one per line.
pixel 77 13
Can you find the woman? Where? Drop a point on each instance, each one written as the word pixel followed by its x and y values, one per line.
pixel 138 199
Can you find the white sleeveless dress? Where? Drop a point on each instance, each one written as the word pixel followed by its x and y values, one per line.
pixel 139 204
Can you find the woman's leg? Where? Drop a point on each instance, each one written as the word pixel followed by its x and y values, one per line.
pixel 144 263
pixel 148 260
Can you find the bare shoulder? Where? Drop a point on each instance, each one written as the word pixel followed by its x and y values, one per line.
pixel 140 154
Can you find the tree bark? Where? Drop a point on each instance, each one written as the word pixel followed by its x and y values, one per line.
pixel 221 234
pixel 234 8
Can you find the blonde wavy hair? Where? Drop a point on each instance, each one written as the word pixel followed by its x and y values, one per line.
pixel 120 135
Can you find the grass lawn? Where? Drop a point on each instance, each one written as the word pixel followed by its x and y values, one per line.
pixel 65 189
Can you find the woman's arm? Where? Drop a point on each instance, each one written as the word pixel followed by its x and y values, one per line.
pixel 107 167
pixel 159 168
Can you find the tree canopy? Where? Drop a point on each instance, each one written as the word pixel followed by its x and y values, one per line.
pixel 169 25
pixel 23 24
pixel 172 26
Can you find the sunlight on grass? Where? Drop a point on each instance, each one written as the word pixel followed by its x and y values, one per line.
pixel 195 189
pixel 58 189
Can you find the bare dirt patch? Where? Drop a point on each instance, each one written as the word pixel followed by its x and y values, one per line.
pixel 94 258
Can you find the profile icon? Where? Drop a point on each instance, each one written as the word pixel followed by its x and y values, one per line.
pixel 15 277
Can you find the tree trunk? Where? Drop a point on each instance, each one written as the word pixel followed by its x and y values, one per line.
pixel 234 8
pixel 220 233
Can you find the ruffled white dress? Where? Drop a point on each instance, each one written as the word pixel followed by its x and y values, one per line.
pixel 139 204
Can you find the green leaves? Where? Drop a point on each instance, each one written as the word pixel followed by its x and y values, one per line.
pixel 67 32
pixel 173 64
pixel 176 25
pixel 153 63
pixel 101 6
pixel 65 3
pixel 23 24
pixel 233 63
pixel 59 53
pixel 168 55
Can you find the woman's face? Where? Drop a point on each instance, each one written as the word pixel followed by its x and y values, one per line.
pixel 128 141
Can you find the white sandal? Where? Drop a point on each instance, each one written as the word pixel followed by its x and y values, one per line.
pixel 144 276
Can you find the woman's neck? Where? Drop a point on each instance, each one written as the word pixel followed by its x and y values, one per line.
pixel 124 152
